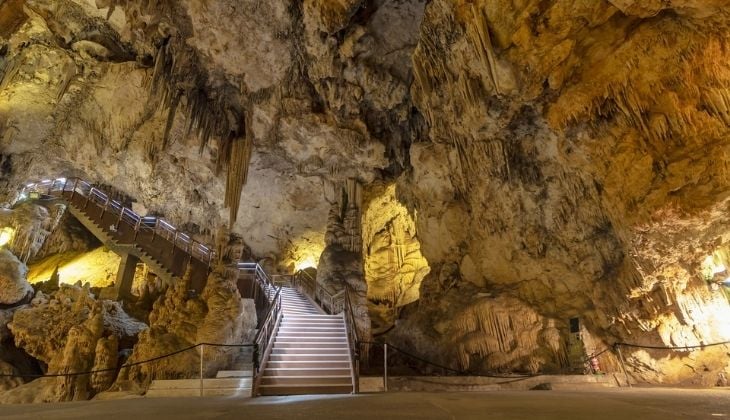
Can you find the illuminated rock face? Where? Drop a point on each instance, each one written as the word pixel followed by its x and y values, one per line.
pixel 552 159
pixel 394 266
pixel 178 321
pixel 14 286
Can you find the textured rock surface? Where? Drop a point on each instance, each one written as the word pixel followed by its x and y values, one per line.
pixel 394 265
pixel 14 286
pixel 70 331
pixel 567 157
pixel 42 329
pixel 178 321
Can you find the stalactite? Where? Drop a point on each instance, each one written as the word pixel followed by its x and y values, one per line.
pixel 479 34
pixel 237 174
pixel 175 76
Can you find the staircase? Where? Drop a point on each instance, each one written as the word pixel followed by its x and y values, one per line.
pixel 113 244
pixel 310 354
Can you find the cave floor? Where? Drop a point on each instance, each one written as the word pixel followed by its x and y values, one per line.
pixel 611 404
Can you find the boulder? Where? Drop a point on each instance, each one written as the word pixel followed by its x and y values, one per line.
pixel 14 286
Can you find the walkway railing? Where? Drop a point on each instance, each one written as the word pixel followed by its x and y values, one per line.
pixel 333 304
pixel 157 226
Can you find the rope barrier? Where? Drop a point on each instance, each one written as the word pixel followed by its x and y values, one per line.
pixel 523 376
pixel 141 362
pixel 699 346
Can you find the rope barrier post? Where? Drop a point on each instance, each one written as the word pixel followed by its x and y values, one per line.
pixel 202 351
pixel 385 367
pixel 623 364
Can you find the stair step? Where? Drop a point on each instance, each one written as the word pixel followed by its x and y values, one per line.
pixel 319 334
pixel 286 329
pixel 307 371
pixel 310 339
pixel 195 383
pixel 306 350
pixel 234 373
pixel 311 345
pixel 217 392
pixel 304 380
pixel 308 364
pixel 334 357
pixel 304 389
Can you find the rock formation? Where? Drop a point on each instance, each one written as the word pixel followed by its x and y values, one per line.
pixel 394 265
pixel 70 332
pixel 177 321
pixel 14 286
pixel 556 159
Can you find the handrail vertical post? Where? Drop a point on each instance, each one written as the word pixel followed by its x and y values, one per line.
pixel 174 243
pixel 73 192
pixel 63 189
pixel 154 229
pixel 88 197
pixel 121 216
pixel 136 228
pixel 385 367
pixel 103 210
pixel 202 351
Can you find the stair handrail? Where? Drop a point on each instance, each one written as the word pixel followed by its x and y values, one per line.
pixel 308 285
pixel 162 227
pixel 264 339
pixel 352 339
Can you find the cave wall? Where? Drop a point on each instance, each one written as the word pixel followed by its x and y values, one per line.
pixel 555 159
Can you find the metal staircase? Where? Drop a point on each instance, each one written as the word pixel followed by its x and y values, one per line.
pixel 310 353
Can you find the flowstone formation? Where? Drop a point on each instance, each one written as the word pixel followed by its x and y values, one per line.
pixel 556 159
pixel 218 315
pixel 340 269
pixel 394 265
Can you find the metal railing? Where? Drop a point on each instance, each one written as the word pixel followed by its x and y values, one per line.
pixel 264 340
pixel 158 226
pixel 353 341
pixel 333 304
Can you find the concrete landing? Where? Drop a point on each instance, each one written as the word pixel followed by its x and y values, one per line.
pixel 483 383
pixel 608 404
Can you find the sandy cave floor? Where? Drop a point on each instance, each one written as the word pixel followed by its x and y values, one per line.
pixel 613 404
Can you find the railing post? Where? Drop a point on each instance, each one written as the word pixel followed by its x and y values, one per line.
pixel 65 180
pixel 623 365
pixel 202 351
pixel 136 228
pixel 121 215
pixel 73 192
pixel 154 229
pixel 103 210
pixel 385 367
pixel 88 197
pixel 174 243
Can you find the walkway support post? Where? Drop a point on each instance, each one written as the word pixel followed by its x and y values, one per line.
pixel 385 367
pixel 623 364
